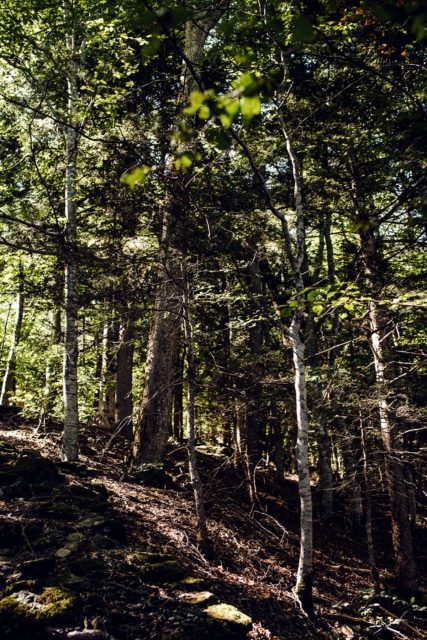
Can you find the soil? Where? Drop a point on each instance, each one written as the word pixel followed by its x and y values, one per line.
pixel 89 551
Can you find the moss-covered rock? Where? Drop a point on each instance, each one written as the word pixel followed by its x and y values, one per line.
pixel 236 624
pixel 52 606
pixel 20 585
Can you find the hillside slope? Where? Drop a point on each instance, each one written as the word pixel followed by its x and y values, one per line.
pixel 88 552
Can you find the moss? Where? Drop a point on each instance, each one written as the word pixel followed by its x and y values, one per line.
pixel 20 585
pixel 57 605
pixel 228 614
pixel 53 606
pixel 83 566
pixel 149 558
pixel 191 581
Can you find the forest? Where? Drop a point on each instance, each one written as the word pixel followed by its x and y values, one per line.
pixel 213 231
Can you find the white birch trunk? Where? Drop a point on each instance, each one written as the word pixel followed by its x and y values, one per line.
pixel 71 411
pixel 9 374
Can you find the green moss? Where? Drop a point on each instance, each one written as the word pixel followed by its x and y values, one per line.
pixel 58 605
pixel 149 558
pixel 53 606
pixel 20 585
pixel 229 614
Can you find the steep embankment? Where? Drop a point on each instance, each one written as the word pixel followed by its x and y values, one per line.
pixel 87 552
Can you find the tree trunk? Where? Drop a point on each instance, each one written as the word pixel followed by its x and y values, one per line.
pixel 70 436
pixel 303 588
pixel 8 386
pixel 51 369
pixel 124 375
pixel 405 568
pixel 350 472
pixel 325 473
pixel 107 383
pixel 154 423
pixel 202 531
pixel 368 501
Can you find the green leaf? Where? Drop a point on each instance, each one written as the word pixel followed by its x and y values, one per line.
pixel 318 309
pixel 250 106
pixel 197 99
pixel 186 160
pixel 204 112
pixel 136 176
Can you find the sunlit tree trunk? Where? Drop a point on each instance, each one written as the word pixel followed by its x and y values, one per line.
pixel 71 410
pixel 8 385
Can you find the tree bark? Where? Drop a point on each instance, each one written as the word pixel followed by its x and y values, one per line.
pixel 51 369
pixel 154 423
pixel 124 377
pixel 405 567
pixel 202 531
pixel 70 434
pixel 8 385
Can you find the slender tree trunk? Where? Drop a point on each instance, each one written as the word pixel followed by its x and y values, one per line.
pixel 124 375
pixel 8 385
pixel 71 409
pixel 368 501
pixel 108 377
pixel 178 404
pixel 405 567
pixel 325 473
pixel 350 472
pixel 304 584
pixel 50 370
pixel 154 423
pixel 202 531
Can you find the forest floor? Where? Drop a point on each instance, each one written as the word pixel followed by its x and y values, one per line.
pixel 88 552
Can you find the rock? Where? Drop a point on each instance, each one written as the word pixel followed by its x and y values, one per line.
pixel 26 609
pixel 199 598
pixel 233 620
